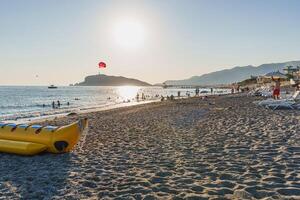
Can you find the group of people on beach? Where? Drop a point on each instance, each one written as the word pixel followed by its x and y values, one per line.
pixel 188 94
pixel 57 104
pixel 143 97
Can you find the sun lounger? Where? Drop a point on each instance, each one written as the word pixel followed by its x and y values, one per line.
pixel 283 104
pixel 274 104
pixel 265 92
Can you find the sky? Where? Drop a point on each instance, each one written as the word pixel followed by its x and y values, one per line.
pixel 62 41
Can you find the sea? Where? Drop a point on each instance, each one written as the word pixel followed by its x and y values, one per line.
pixel 26 103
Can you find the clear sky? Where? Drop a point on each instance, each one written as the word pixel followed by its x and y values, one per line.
pixel 61 41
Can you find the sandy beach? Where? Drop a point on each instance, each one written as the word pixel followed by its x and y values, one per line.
pixel 222 147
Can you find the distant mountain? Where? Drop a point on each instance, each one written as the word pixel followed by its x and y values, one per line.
pixel 235 74
pixel 104 80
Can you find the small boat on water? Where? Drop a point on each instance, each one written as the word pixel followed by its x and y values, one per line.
pixel 26 139
pixel 52 87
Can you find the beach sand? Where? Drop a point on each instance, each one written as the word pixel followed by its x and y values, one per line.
pixel 223 147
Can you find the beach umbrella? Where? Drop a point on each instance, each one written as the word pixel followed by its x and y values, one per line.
pixel 276 75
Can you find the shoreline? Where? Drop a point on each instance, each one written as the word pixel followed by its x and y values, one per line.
pixel 78 112
pixel 82 110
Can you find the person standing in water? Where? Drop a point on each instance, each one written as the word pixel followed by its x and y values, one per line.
pixel 276 91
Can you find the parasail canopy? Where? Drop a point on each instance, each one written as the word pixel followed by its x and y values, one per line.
pixel 102 65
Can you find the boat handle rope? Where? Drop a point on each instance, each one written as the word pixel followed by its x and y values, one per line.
pixel 14 128
pixel 43 127
pixel 28 127
pixel 3 125
pixel 39 130
pixel 55 129
pixel 17 125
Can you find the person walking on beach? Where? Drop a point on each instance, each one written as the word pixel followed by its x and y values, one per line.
pixel 197 91
pixel 276 91
pixel 58 103
pixel 53 104
pixel 238 88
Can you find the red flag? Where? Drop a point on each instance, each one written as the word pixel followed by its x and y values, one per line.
pixel 102 65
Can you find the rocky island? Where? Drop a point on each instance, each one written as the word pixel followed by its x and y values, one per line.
pixel 104 80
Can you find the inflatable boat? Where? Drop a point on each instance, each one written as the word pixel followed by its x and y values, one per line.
pixel 26 139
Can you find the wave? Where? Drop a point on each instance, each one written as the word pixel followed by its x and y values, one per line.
pixel 24 106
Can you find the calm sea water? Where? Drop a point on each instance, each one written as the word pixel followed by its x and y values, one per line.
pixel 24 102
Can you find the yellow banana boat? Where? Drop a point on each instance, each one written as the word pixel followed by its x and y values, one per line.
pixel 26 139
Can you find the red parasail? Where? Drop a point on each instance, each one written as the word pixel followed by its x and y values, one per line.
pixel 102 65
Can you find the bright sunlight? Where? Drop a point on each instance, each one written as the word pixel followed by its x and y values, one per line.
pixel 127 92
pixel 129 33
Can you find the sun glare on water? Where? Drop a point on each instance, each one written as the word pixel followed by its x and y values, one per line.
pixel 127 92
pixel 129 33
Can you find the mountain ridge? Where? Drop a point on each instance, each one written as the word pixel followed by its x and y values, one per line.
pixel 235 74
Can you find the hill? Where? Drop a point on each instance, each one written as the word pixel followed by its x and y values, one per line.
pixel 232 75
pixel 104 80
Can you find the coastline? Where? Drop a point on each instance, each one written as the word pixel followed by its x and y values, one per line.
pixel 218 147
pixel 85 110
pixel 78 111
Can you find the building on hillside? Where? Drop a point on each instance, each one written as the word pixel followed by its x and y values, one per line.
pixel 292 71
pixel 267 78
pixel 263 79
pixel 276 75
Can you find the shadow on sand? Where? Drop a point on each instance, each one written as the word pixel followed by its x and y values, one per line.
pixel 38 177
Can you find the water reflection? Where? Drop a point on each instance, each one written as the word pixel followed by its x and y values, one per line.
pixel 127 92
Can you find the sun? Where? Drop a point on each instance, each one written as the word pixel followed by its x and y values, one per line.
pixel 129 33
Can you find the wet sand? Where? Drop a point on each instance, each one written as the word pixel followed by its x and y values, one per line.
pixel 218 148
